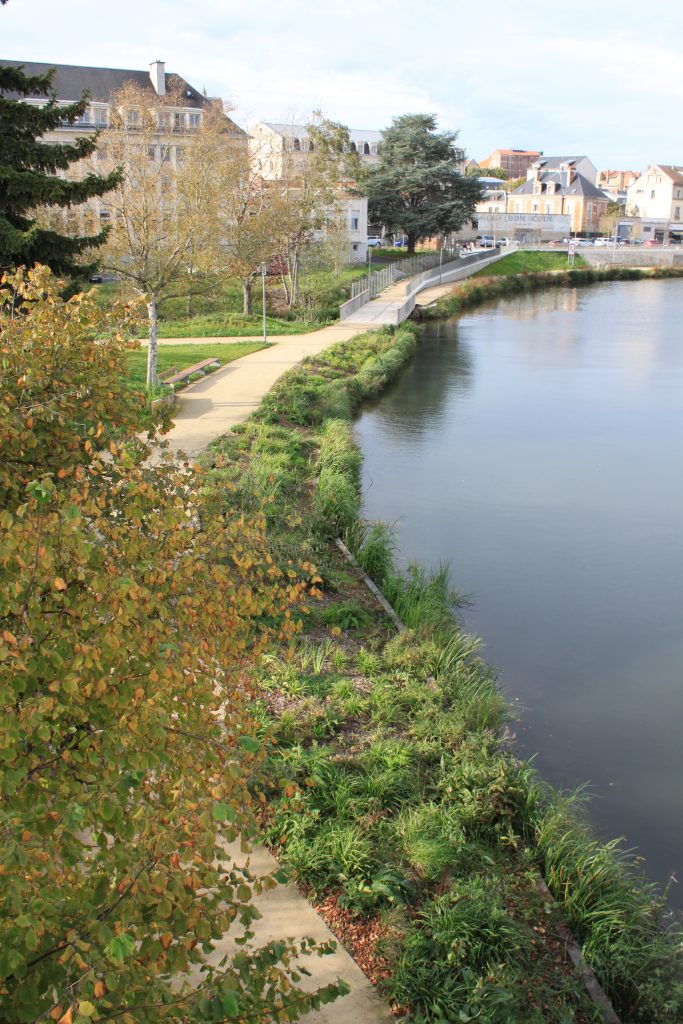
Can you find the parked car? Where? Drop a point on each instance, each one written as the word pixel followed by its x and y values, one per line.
pixel 374 240
pixel 504 241
pixel 486 242
pixel 651 242
pixel 399 243
pixel 557 241
pixel 603 241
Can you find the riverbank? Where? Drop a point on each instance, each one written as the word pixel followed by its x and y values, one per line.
pixel 486 287
pixel 392 795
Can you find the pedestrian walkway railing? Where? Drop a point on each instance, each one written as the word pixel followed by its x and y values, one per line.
pixel 378 280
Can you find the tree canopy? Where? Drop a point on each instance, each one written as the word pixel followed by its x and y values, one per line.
pixel 30 176
pixel 415 188
pixel 130 620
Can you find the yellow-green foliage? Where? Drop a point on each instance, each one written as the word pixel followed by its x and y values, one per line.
pixel 129 625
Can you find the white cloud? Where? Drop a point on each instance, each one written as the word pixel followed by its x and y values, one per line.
pixel 546 76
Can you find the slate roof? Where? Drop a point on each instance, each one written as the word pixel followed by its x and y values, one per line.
pixel 299 131
pixel 71 81
pixel 673 172
pixel 580 186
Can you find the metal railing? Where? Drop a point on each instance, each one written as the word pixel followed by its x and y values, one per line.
pixel 378 280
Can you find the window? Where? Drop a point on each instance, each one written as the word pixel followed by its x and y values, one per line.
pixel 101 115
pixel 165 120
pixel 652 194
pixel 133 118
pixel 151 152
pixel 178 122
pixel 102 153
pixel 373 149
pixel 354 223
pixel 353 147
pixel 179 154
pixel 194 120
pixel 366 149
pixel 297 145
pixel 311 147
pixel 677 213
pixel 535 208
pixel 105 215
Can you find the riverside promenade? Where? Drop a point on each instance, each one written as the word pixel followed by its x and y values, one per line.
pixel 205 411
pixel 213 405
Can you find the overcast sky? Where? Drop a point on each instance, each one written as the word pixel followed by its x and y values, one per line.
pixel 568 78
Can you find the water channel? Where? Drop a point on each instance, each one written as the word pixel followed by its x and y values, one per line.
pixel 535 445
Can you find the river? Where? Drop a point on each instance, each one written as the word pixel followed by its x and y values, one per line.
pixel 535 446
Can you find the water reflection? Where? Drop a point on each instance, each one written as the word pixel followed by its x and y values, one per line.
pixel 536 446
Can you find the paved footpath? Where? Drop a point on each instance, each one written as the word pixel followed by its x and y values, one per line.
pixel 210 407
pixel 205 411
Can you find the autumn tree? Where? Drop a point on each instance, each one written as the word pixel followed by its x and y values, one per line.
pixel 244 211
pixel 314 185
pixel 129 624
pixel 154 237
pixel 416 187
pixel 32 176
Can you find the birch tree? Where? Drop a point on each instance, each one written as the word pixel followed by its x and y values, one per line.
pixel 153 236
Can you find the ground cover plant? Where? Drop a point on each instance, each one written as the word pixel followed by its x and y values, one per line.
pixel 392 797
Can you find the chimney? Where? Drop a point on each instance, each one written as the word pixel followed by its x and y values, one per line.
pixel 157 72
pixel 534 172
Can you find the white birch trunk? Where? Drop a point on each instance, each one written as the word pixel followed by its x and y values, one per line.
pixel 152 349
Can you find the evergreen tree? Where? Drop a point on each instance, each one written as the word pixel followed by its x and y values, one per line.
pixel 416 188
pixel 29 175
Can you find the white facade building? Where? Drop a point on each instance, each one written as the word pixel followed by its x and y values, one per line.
pixel 274 147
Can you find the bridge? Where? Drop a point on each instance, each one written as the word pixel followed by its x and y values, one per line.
pixel 396 301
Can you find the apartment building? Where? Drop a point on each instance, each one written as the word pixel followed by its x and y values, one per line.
pixel 178 108
pixel 560 191
pixel 655 201
pixel 277 148
pixel 515 162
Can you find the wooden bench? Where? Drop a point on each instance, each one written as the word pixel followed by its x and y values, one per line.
pixel 175 378
pixel 162 377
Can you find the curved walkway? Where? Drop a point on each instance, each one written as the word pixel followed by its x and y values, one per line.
pixel 210 407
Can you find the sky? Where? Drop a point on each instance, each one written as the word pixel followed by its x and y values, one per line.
pixel 567 78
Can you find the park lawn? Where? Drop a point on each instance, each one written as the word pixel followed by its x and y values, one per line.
pixel 183 356
pixel 232 325
pixel 529 262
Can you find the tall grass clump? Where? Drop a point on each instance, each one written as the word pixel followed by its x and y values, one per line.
pixel 373 546
pixel 422 597
pixel 617 916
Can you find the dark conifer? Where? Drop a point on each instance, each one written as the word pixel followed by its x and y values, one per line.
pixel 29 175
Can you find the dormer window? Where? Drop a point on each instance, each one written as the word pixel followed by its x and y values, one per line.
pixel 297 145
pixel 366 149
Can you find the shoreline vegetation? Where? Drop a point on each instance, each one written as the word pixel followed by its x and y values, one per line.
pixel 393 797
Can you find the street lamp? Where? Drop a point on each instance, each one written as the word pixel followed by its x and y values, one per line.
pixel 263 300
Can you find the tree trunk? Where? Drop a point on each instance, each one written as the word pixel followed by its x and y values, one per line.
pixel 247 303
pixel 152 349
pixel 412 239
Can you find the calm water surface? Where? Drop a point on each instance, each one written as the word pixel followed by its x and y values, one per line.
pixel 536 446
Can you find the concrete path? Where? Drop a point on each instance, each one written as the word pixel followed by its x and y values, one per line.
pixel 382 310
pixel 287 915
pixel 210 407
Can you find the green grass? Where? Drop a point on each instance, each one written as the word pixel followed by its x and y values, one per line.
pixel 183 356
pixel 523 262
pixel 232 325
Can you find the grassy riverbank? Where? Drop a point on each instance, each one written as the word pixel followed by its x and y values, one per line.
pixel 391 794
pixel 486 286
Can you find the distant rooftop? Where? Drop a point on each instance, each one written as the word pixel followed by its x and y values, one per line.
pixel 72 80
pixel 299 131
